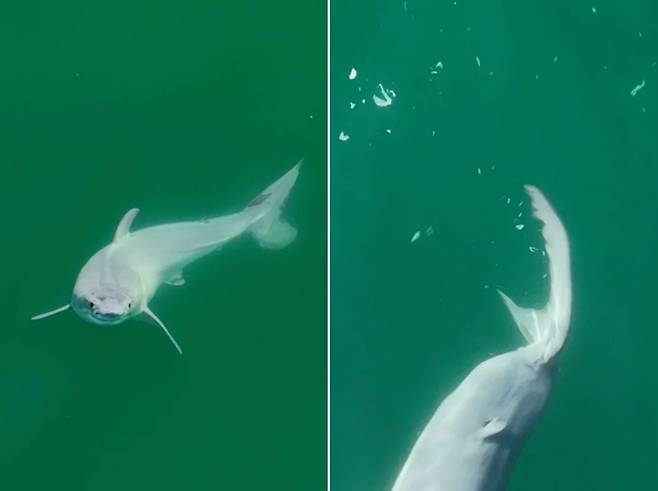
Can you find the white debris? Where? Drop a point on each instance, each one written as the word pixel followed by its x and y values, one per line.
pixel 433 132
pixel 509 200
pixel 479 171
pixel 429 231
pixel 352 105
pixel 536 77
pixel 477 60
pixel 363 101
pixel 554 59
pixel 439 65
pixel 533 249
pixel 415 237
pixel 387 99
pixel 388 131
pixel 486 287
pixel 520 226
pixel 343 136
pixel 594 10
pixel 638 88
pixel 353 74
pixel 491 74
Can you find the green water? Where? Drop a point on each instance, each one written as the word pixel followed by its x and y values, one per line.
pixel 186 110
pixel 410 320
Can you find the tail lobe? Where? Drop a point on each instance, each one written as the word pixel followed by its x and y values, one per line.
pixel 269 228
pixel 548 328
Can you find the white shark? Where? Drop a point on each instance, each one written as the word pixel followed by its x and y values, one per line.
pixel 472 441
pixel 118 281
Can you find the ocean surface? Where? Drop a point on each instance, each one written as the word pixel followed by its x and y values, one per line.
pixel 185 110
pixel 486 97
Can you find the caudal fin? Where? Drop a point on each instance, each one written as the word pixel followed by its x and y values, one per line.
pixel 548 328
pixel 270 229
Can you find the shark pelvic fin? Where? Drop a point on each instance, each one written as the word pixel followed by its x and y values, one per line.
pixel 123 228
pixel 52 312
pixel 148 313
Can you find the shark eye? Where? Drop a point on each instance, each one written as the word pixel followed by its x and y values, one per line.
pixel 91 305
pixel 130 305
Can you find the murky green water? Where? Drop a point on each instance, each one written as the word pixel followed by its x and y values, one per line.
pixel 409 320
pixel 184 109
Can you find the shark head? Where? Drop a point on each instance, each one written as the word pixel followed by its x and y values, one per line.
pixel 106 306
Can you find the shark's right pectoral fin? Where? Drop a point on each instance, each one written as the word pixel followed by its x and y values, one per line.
pixel 52 312
pixel 150 316
pixel 527 320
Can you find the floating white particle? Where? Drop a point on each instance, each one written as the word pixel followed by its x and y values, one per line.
pixel 519 214
pixel 353 74
pixel 509 200
pixel 486 287
pixel 605 67
pixel 493 167
pixel 544 276
pixel 639 34
pixel 555 59
pixel 536 77
pixel 352 105
pixel 644 109
pixel 388 131
pixel 433 132
pixel 520 226
pixel 415 237
pixel 387 100
pixel 491 74
pixel 533 249
pixel 654 63
pixel 594 10
pixel 363 101
pixel 637 88
pixel 343 136
pixel 439 65
pixel 521 203
pixel 477 60
pixel 479 171
pixel 311 117
pixel 429 231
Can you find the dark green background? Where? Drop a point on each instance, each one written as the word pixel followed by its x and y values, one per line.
pixel 184 109
pixel 410 320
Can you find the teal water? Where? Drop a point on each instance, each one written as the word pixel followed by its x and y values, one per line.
pixel 410 320
pixel 185 110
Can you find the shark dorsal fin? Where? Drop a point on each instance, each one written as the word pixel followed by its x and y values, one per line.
pixel 123 228
pixel 149 315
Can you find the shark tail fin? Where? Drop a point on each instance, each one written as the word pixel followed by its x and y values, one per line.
pixel 548 328
pixel 270 229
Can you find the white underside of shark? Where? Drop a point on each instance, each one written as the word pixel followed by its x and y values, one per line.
pixel 118 281
pixel 472 441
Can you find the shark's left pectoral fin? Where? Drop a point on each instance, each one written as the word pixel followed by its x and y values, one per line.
pixel 150 316
pixel 52 312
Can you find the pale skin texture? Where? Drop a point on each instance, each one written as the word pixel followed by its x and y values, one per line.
pixel 117 282
pixel 475 436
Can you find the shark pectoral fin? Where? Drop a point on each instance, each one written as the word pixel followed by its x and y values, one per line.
pixel 493 427
pixel 526 319
pixel 52 312
pixel 176 279
pixel 123 228
pixel 149 315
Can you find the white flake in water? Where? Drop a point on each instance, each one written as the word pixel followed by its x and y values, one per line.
pixel 429 231
pixel 544 276
pixel 439 65
pixel 433 132
pixel 388 131
pixel 415 237
pixel 554 59
pixel 479 171
pixel 521 203
pixel 536 77
pixel 363 101
pixel 343 136
pixel 352 105
pixel 509 200
pixel 594 10
pixel 638 88
pixel 519 214
pixel 486 287
pixel 491 74
pixel 353 74
pixel 520 226
pixel 387 99
pixel 533 249
pixel 477 60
